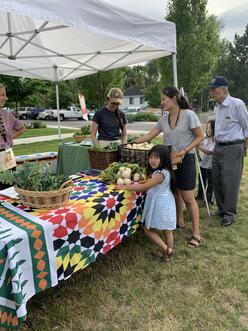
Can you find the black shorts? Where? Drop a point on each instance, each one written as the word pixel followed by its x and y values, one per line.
pixel 186 173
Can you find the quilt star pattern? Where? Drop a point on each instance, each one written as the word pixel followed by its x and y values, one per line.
pixel 56 243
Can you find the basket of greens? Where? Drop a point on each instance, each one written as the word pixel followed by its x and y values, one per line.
pixel 102 157
pixel 37 186
pixel 82 134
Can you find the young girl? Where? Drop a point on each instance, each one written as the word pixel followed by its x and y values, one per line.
pixel 207 147
pixel 160 208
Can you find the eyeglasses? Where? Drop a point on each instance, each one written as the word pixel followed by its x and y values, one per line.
pixel 115 103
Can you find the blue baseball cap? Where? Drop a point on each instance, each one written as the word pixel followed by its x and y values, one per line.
pixel 218 81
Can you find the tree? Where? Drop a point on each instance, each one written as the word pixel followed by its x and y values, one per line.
pixel 66 96
pixel 146 78
pixel 135 76
pixel 152 94
pixel 198 45
pixel 233 64
pixel 141 76
pixel 38 93
pixel 17 89
pixel 95 87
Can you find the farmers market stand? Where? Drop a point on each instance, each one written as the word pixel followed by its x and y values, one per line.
pixel 39 248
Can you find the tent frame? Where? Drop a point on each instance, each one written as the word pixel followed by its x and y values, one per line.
pixel 28 31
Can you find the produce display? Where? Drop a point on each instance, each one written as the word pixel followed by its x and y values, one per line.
pixel 123 173
pixel 80 135
pixel 37 186
pixel 33 177
pixel 111 147
pixel 84 131
pixel 144 146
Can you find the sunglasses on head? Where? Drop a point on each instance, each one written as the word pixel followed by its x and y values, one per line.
pixel 115 103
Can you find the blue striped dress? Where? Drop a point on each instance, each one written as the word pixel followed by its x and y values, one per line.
pixel 160 207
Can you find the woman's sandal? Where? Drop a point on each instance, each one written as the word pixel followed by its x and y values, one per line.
pixel 194 242
pixel 168 255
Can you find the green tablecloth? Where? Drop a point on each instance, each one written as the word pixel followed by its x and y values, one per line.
pixel 72 158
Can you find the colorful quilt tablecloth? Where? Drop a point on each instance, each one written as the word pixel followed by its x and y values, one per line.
pixel 40 247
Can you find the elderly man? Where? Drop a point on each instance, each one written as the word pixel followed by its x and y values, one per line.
pixel 231 134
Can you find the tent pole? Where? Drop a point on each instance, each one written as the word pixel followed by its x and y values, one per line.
pixel 203 186
pixel 57 101
pixel 174 64
pixel 57 106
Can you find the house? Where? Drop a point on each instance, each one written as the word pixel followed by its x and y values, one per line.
pixel 134 98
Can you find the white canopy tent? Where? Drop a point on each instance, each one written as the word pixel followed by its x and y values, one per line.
pixel 60 40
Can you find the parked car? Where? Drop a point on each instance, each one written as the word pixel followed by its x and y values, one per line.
pixel 34 113
pixel 131 110
pixel 23 112
pixel 47 114
pixel 69 112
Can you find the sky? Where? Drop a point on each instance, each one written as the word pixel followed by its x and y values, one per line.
pixel 234 13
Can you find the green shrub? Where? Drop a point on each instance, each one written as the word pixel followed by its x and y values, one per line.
pixel 28 125
pixel 130 118
pixel 38 125
pixel 142 117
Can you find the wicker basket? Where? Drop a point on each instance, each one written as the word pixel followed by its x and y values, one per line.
pixel 78 139
pixel 130 155
pixel 102 159
pixel 46 199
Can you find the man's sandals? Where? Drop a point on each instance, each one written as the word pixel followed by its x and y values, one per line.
pixel 194 242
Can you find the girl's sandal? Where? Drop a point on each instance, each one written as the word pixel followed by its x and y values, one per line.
pixel 157 254
pixel 181 226
pixel 168 255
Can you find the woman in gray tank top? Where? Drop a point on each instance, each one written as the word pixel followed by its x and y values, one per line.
pixel 182 131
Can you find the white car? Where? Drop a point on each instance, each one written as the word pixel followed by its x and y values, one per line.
pixel 47 114
pixel 69 112
pixel 23 112
pixel 131 110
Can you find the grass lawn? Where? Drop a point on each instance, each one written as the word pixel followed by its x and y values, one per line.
pixel 43 132
pixel 46 146
pixel 201 289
